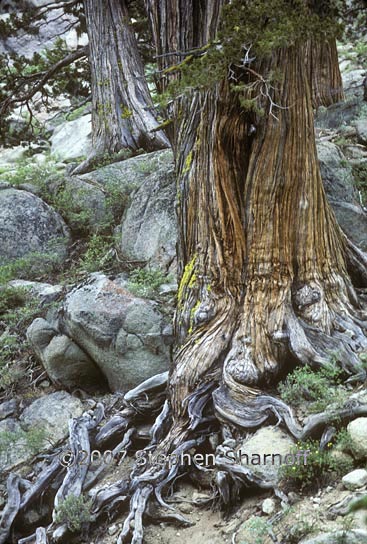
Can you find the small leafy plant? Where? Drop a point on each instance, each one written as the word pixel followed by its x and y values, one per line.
pixel 74 512
pixel 318 468
pixel 145 282
pixel 316 386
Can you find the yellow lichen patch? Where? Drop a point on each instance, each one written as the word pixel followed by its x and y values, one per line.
pixel 187 275
pixel 188 163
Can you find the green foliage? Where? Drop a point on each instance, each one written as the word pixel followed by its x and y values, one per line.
pixel 19 75
pixel 32 440
pixel 28 172
pixel 319 468
pixel 252 30
pixel 30 266
pixel 18 308
pixel 76 113
pixel 9 374
pixel 360 176
pixel 145 282
pixel 98 255
pixel 256 530
pixel 317 386
pixel 74 512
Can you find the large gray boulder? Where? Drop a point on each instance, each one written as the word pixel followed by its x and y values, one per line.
pixel 72 139
pixel 148 229
pixel 29 225
pixel 126 336
pixel 65 362
pixel 339 185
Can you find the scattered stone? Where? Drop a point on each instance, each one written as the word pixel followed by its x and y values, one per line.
pixel 353 82
pixel 357 430
pixel 30 188
pixel 112 530
pixel 268 506
pixel 90 202
pixel 148 229
pixel 29 226
pixel 8 408
pixel 198 497
pixel 341 114
pixel 186 508
pixel 355 479
pixel 361 127
pixel 11 155
pixel 342 194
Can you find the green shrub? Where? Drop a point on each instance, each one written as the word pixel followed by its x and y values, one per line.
pixel 360 176
pixel 32 440
pixel 319 468
pixel 31 266
pixel 9 345
pixel 317 386
pixel 35 174
pixel 74 512
pixel 145 282
pixel 256 530
pixel 99 253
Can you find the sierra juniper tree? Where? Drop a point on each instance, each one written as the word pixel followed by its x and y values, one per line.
pixel 267 278
pixel 123 115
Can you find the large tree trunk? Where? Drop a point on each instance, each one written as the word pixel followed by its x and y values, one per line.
pixel 123 115
pixel 263 263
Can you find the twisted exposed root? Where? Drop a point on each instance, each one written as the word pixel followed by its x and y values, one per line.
pixel 137 507
pixel 12 507
pixel 248 411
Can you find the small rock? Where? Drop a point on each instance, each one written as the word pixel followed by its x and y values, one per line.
pixel 112 530
pixel 357 430
pixel 200 497
pixel 8 408
pixel 355 479
pixel 268 506
pixel 186 508
pixel 293 497
pixel 44 384
pixel 361 127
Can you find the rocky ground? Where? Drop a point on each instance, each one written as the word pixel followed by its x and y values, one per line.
pixel 88 285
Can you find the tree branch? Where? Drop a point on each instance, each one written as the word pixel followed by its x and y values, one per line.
pixel 6 104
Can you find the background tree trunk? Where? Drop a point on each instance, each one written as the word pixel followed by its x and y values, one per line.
pixel 123 114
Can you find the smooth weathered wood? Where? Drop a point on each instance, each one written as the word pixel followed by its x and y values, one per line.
pixel 11 508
